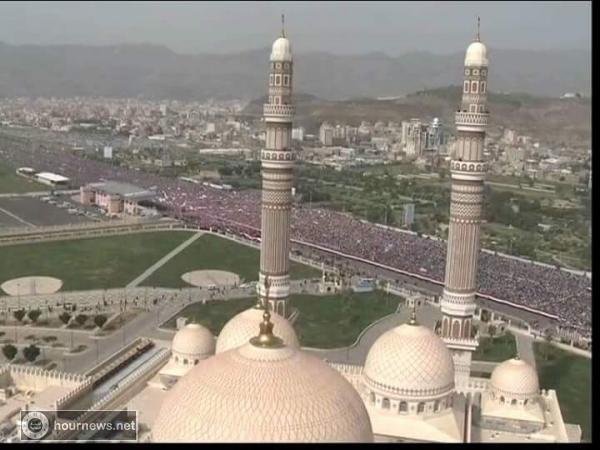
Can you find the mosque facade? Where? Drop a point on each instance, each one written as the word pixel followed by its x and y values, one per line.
pixel 254 383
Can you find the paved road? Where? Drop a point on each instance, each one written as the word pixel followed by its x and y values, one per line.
pixel 162 261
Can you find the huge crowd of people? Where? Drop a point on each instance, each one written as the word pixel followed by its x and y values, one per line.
pixel 554 291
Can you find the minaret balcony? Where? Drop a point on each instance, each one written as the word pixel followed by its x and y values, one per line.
pixel 471 119
pixel 279 111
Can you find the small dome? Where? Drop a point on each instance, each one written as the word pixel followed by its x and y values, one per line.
pixel 281 51
pixel 515 379
pixel 410 361
pixel 254 394
pixel 193 340
pixel 242 327
pixel 476 55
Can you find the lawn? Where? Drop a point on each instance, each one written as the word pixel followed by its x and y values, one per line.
pixel 213 315
pixel 496 349
pixel 336 321
pixel 571 376
pixel 98 263
pixel 10 182
pixel 215 253
pixel 324 321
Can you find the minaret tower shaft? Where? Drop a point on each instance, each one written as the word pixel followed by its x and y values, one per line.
pixel 468 170
pixel 277 176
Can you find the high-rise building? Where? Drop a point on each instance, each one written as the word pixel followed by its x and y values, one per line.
pixel 326 132
pixel 415 136
pixel 277 175
pixel 468 170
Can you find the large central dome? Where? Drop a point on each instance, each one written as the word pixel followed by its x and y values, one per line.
pixel 254 394
pixel 410 361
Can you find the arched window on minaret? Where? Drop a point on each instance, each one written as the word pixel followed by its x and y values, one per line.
pixel 456 329
pixel 483 83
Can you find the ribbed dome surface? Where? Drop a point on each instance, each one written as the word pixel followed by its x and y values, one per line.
pixel 410 361
pixel 476 55
pixel 515 378
pixel 193 339
pixel 252 394
pixel 281 51
pixel 244 326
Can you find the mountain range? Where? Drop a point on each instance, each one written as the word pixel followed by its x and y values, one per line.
pixel 156 72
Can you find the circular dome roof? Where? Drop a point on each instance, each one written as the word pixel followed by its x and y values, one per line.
pixel 410 361
pixel 193 339
pixel 515 378
pixel 476 55
pixel 281 51
pixel 254 394
pixel 242 327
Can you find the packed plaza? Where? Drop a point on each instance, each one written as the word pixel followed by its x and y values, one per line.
pixel 548 289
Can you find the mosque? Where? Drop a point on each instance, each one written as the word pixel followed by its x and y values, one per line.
pixel 254 383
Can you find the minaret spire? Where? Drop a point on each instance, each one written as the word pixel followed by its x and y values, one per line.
pixel 283 25
pixel 478 24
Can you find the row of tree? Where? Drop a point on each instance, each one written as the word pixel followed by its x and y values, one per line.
pixel 65 317
pixel 30 353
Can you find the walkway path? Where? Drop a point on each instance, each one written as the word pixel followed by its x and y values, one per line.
pixel 161 262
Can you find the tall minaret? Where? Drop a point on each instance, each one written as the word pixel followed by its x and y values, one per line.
pixel 277 174
pixel 468 173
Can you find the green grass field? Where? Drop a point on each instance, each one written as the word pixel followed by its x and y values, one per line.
pixel 97 263
pixel 571 376
pixel 496 349
pixel 336 321
pixel 215 253
pixel 214 315
pixel 11 183
pixel 324 322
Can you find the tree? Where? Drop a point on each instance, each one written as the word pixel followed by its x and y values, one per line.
pixel 31 353
pixel 100 320
pixel 34 315
pixel 81 319
pixel 19 314
pixel 491 330
pixel 65 317
pixel 9 351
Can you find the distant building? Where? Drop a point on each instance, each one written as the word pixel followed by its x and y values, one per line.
pixel 298 134
pixel 416 138
pixel 52 179
pixel 326 134
pixel 114 197
pixel 409 215
pixel 436 138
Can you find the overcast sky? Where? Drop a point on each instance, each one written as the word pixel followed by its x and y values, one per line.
pixel 339 27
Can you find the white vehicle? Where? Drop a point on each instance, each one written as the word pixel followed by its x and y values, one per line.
pixel 72 211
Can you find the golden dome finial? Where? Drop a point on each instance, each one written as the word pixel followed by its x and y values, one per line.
pixel 413 315
pixel 265 337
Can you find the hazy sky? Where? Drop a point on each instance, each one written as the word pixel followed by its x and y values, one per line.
pixel 339 27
